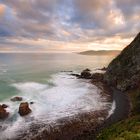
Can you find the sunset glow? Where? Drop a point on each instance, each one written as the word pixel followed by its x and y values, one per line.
pixel 67 25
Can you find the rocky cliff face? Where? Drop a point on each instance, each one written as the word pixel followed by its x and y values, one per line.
pixel 124 71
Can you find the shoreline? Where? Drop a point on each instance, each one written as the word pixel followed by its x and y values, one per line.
pixel 88 127
pixel 83 126
pixel 70 128
pixel 121 112
pixel 122 107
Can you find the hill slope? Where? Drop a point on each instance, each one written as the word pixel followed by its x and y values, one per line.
pixel 124 71
pixel 101 52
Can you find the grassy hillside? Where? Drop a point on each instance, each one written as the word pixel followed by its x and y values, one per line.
pixel 128 129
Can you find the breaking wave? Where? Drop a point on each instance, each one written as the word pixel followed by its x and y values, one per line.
pixel 62 96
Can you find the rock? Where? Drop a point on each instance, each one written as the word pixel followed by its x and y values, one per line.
pixel 97 77
pixel 3 113
pixel 14 99
pixel 87 69
pixel 104 69
pixel 4 105
pixel 124 71
pixel 24 109
pixel 76 75
pixel 31 103
pixel 85 74
pixel 67 71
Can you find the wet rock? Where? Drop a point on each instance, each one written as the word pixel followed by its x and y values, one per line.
pixel 97 77
pixel 85 74
pixel 14 99
pixel 87 69
pixel 76 75
pixel 67 71
pixel 3 113
pixel 24 109
pixel 104 69
pixel 4 105
pixel 31 103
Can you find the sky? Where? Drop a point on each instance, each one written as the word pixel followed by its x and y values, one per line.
pixel 67 25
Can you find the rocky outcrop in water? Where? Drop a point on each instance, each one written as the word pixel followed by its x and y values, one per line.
pixel 14 99
pixel 85 74
pixel 3 113
pixel 103 69
pixel 24 109
pixel 4 105
pixel 124 71
pixel 97 77
pixel 31 103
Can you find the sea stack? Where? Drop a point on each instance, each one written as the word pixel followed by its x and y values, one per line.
pixel 14 99
pixel 24 109
pixel 3 113
pixel 124 71
pixel 85 74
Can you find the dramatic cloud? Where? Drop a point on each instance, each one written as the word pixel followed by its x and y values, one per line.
pixel 2 10
pixel 67 25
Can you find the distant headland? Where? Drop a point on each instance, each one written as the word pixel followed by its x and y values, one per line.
pixel 100 52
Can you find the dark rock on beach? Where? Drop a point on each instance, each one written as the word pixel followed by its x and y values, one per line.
pixel 4 105
pixel 85 74
pixel 14 99
pixel 87 69
pixel 3 113
pixel 31 103
pixel 124 71
pixel 24 109
pixel 104 69
pixel 67 71
pixel 97 77
pixel 76 75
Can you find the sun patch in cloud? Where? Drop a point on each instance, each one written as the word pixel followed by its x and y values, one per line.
pixel 116 18
pixel 2 9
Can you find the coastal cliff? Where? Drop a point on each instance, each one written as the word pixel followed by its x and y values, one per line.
pixel 124 71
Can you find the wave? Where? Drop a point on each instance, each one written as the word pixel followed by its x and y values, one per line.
pixel 3 69
pixel 111 111
pixel 66 96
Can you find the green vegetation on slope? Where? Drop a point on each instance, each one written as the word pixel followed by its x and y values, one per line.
pixel 128 129
pixel 124 73
pixel 135 100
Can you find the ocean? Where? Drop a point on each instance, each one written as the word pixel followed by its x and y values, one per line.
pixel 44 78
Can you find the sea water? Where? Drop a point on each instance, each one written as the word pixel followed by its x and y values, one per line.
pixel 45 79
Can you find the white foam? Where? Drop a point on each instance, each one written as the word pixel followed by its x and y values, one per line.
pixel 68 97
pixel 29 87
pixel 111 111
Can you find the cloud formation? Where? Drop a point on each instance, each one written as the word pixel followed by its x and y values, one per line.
pixel 67 25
